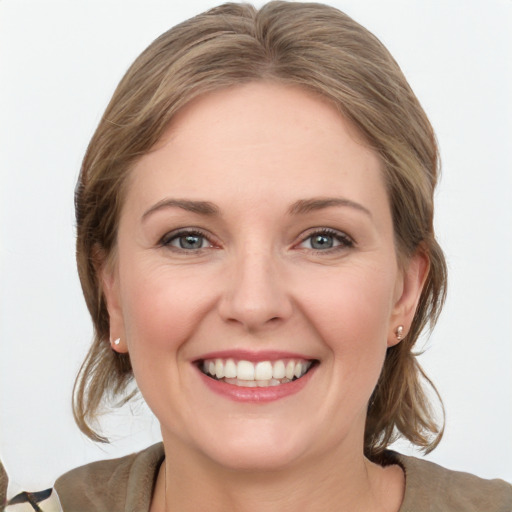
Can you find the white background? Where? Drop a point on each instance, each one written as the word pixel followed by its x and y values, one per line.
pixel 59 64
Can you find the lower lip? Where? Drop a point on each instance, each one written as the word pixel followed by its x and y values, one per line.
pixel 257 395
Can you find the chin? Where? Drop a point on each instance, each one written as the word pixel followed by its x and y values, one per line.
pixel 264 448
pixel 255 457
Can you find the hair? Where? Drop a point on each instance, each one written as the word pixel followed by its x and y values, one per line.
pixel 324 51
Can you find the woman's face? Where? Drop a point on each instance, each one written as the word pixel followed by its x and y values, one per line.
pixel 256 244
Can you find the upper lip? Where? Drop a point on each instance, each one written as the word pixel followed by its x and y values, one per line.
pixel 254 356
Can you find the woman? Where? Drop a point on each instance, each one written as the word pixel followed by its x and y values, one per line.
pixel 256 248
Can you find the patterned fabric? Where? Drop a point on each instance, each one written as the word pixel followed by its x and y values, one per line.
pixel 3 486
pixel 43 501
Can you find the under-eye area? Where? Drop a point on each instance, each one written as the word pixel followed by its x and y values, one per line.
pixel 256 374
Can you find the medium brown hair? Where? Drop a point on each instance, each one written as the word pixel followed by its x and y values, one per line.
pixel 309 45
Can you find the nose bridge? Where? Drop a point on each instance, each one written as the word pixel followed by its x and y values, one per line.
pixel 256 293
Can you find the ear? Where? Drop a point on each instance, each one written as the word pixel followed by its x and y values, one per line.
pixel 407 294
pixel 109 278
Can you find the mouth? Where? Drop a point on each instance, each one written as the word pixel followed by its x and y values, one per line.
pixel 260 374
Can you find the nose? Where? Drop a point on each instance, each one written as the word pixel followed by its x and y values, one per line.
pixel 255 294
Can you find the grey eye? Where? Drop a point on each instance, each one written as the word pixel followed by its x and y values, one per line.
pixel 185 240
pixel 190 241
pixel 322 241
pixel 325 239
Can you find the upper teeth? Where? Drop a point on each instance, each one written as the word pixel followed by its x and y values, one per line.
pixel 260 371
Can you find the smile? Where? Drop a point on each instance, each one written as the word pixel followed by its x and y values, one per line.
pixel 260 374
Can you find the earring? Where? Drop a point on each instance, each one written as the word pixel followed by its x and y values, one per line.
pixel 116 342
pixel 399 333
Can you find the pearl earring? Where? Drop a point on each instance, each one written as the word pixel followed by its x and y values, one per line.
pixel 116 342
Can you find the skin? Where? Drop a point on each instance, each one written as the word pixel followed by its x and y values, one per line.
pixel 256 284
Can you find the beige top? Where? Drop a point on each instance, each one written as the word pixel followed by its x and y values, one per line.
pixel 126 485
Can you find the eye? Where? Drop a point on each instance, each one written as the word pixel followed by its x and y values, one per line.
pixel 187 240
pixel 325 239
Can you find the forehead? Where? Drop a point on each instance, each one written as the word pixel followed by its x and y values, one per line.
pixel 259 140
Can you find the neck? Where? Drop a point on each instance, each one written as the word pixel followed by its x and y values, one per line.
pixel 341 481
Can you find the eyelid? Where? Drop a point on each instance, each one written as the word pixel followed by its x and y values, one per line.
pixel 346 241
pixel 167 238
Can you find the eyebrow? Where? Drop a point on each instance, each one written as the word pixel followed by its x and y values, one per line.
pixel 300 207
pixel 308 205
pixel 200 207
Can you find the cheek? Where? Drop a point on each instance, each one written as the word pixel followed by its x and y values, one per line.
pixel 162 308
pixel 352 308
pixel 162 311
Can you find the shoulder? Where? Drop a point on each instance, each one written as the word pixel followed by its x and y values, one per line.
pixel 432 487
pixel 119 484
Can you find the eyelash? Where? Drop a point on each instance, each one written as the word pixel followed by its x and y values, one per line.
pixel 345 242
pixel 168 238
